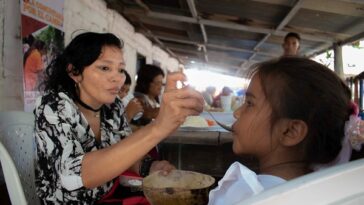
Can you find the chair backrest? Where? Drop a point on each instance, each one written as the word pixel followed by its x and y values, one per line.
pixel 16 134
pixel 341 184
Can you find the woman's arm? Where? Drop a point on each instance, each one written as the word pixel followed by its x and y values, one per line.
pixel 103 165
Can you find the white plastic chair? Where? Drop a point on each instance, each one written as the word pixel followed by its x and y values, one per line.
pixel 17 155
pixel 336 185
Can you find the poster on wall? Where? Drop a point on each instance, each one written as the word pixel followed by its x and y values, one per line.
pixel 43 39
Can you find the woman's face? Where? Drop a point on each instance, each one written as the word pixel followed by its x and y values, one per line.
pixel 155 87
pixel 252 130
pixel 101 81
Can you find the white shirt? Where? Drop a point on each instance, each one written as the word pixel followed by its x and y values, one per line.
pixel 240 183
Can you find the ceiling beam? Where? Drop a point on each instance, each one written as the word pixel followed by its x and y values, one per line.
pixel 192 6
pixel 228 25
pixel 340 7
pixel 280 26
pixel 229 48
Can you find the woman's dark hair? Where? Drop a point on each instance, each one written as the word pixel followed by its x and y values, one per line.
pixel 299 88
pixel 82 51
pixel 146 75
pixel 127 78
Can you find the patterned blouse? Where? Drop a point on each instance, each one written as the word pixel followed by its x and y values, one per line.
pixel 63 136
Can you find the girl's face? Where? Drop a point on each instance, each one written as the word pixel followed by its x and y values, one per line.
pixel 101 81
pixel 252 130
pixel 124 90
pixel 155 87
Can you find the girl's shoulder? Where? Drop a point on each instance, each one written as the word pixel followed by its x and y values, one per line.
pixel 240 183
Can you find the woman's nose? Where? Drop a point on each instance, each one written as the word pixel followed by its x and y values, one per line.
pixel 118 77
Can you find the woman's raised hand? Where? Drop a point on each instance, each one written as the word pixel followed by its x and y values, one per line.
pixel 177 104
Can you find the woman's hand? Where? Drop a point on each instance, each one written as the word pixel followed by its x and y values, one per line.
pixel 164 166
pixel 176 105
pixel 134 106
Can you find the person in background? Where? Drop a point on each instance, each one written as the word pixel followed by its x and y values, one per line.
pixel 83 140
pixel 148 88
pixel 33 64
pixel 133 108
pixel 297 117
pixel 226 91
pixel 291 44
pixel 208 95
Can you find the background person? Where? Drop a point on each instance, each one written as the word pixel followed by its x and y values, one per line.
pixel 132 105
pixel 208 95
pixel 148 88
pixel 33 64
pixel 82 138
pixel 291 44
pixel 297 117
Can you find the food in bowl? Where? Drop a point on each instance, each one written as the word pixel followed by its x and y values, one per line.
pixel 178 188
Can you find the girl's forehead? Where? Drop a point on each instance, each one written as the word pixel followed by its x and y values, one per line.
pixel 255 84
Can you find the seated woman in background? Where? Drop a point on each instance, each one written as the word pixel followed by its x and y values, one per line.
pixel 133 108
pixel 148 89
pixel 82 138
pixel 297 117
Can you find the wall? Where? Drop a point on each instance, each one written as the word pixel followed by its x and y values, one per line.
pixel 11 79
pixel 79 16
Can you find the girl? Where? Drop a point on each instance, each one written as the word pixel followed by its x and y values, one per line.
pixel 80 131
pixel 133 108
pixel 294 119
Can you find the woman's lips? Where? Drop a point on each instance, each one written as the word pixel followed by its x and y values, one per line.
pixel 114 91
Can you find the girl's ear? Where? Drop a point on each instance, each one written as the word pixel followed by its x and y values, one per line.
pixel 76 78
pixel 292 132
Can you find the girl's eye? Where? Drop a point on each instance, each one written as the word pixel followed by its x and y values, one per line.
pixel 248 103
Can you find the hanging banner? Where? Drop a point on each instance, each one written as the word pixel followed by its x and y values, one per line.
pixel 43 39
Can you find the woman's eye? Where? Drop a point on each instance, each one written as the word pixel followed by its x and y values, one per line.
pixel 122 70
pixel 104 68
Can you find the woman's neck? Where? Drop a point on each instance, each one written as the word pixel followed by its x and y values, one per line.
pixel 88 109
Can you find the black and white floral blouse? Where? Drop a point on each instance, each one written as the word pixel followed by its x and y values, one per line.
pixel 63 136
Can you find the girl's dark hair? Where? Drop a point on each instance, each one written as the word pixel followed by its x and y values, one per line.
pixel 299 88
pixel 82 51
pixel 146 75
pixel 127 78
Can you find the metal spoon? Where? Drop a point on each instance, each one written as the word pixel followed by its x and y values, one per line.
pixel 226 127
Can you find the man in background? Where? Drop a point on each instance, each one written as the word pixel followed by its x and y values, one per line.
pixel 291 44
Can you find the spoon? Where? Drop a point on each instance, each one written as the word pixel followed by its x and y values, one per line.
pixel 181 84
pixel 226 127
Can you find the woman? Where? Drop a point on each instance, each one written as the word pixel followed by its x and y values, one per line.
pixel 148 89
pixel 133 108
pixel 80 131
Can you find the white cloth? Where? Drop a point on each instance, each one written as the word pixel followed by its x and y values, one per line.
pixel 240 183
pixel 127 99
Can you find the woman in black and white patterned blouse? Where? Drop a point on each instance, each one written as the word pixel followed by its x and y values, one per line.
pixel 81 128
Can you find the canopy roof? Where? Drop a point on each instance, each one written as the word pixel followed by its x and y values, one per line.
pixel 232 34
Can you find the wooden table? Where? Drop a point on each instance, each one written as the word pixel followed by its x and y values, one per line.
pixel 204 136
